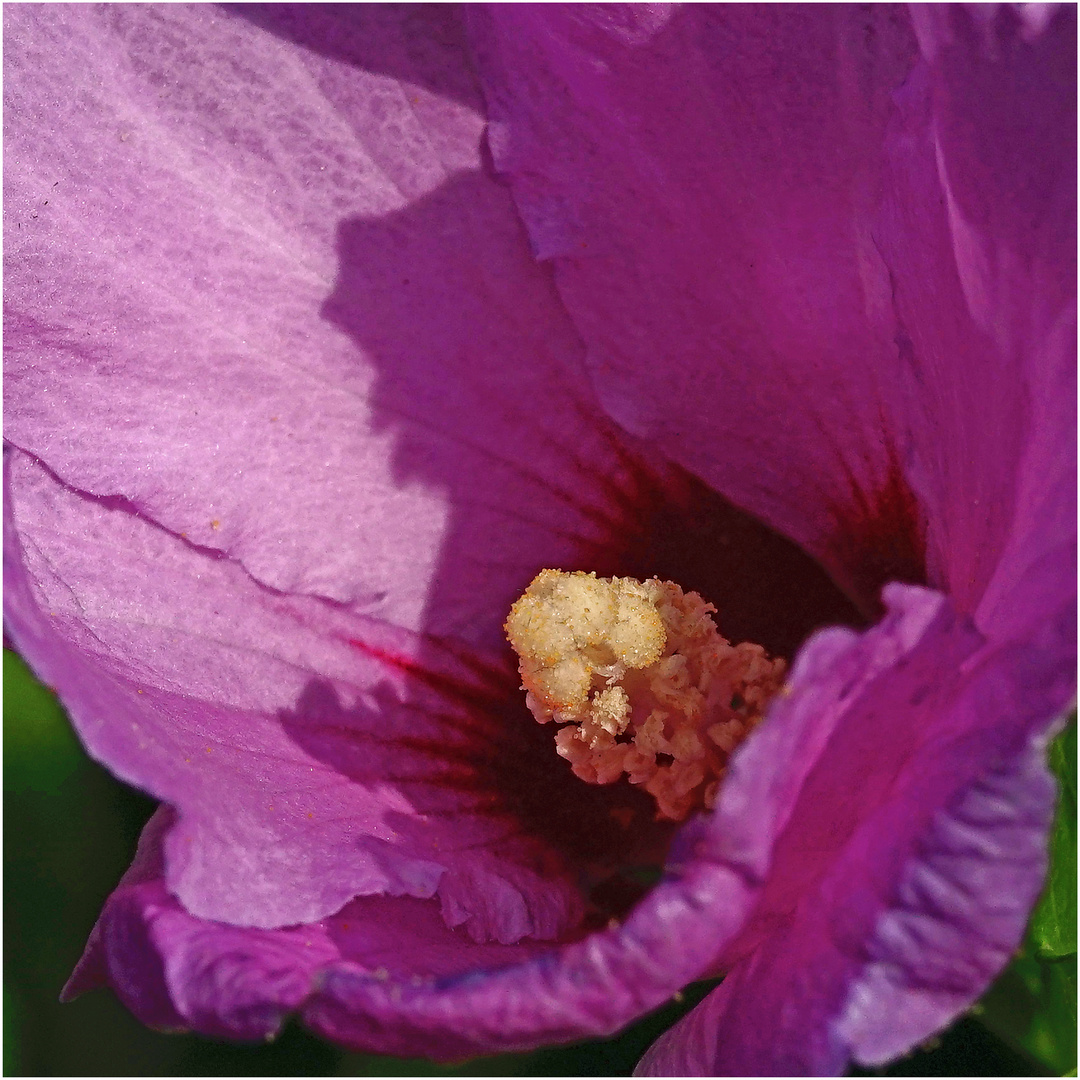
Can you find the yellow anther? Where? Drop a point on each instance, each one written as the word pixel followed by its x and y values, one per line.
pixel 637 669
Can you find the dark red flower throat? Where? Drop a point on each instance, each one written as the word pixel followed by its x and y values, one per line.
pixel 499 765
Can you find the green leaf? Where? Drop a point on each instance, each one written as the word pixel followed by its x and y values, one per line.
pixel 40 749
pixel 1032 1006
pixel 1053 927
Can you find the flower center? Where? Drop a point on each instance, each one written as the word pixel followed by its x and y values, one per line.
pixel 642 681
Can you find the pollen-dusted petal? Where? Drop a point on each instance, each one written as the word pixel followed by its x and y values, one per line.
pixel 651 675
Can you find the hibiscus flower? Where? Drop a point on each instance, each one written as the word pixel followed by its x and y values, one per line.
pixel 329 328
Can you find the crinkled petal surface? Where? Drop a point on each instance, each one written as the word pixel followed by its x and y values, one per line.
pixel 702 180
pixel 864 270
pixel 233 299
pixel 294 414
pixel 913 850
pixel 389 975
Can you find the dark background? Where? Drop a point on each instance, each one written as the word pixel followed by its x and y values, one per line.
pixel 71 831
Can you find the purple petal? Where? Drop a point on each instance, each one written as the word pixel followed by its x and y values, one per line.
pixel 978 229
pixel 273 493
pixel 240 425
pixel 864 923
pixel 231 297
pixel 910 854
pixel 972 413
pixel 177 972
pixel 305 767
pixel 388 974
pixel 703 180
pixel 404 443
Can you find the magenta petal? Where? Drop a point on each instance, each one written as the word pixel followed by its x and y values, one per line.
pixel 576 991
pixel 909 859
pixel 176 972
pixel 294 415
pixel 1003 101
pixel 703 179
pixel 978 228
pixel 841 926
pixel 387 974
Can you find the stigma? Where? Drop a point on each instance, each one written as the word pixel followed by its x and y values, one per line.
pixel 641 682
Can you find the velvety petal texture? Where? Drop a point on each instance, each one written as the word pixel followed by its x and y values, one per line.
pixel 703 180
pixel 235 458
pixel 973 444
pixel 203 210
pixel 326 328
pixel 912 854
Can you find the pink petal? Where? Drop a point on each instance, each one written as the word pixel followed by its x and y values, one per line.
pixel 238 272
pixel 251 576
pixel 387 974
pixel 312 389
pixel 292 747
